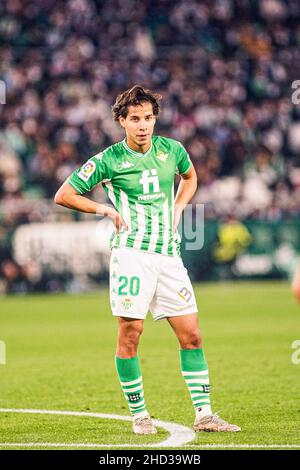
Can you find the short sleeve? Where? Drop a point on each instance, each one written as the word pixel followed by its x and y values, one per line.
pixel 89 174
pixel 183 161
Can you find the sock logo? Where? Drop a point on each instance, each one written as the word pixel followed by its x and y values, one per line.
pixel 132 397
pixel 205 388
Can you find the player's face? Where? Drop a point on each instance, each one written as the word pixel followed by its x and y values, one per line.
pixel 139 125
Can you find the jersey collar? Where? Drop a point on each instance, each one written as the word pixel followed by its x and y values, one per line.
pixel 133 152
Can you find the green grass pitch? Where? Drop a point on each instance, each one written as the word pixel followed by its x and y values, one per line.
pixel 60 356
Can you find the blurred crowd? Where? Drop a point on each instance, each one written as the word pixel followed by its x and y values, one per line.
pixel 224 68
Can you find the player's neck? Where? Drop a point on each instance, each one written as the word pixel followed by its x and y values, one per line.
pixel 138 148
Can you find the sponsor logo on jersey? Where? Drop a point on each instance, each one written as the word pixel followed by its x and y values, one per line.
pixel 127 303
pixel 162 156
pixel 149 180
pixel 151 197
pixel 126 165
pixel 87 170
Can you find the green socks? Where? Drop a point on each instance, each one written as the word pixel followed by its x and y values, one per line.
pixel 132 383
pixel 195 373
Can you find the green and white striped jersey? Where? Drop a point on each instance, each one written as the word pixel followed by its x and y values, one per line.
pixel 141 187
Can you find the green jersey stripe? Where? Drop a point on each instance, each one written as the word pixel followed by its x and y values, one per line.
pixel 114 196
pixel 141 221
pixel 166 234
pixel 125 211
pixel 146 239
pixel 159 243
pixel 110 192
pixel 174 246
pixel 154 231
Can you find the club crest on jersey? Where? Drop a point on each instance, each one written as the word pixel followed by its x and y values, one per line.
pixel 162 156
pixel 87 170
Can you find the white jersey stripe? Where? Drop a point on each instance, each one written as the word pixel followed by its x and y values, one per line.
pixel 112 197
pixel 154 231
pixel 174 246
pixel 125 210
pixel 141 221
pixel 111 193
pixel 166 227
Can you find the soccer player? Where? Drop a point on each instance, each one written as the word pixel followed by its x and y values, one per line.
pixel 146 270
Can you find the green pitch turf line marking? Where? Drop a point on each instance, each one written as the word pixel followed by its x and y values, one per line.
pixel 179 434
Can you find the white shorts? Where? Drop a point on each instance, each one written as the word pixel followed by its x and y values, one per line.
pixel 141 281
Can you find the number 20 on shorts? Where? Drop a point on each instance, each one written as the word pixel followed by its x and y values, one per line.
pixel 132 284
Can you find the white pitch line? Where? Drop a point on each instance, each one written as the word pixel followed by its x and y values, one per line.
pixel 179 435
pixel 244 446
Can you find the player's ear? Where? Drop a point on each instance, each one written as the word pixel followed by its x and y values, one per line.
pixel 122 121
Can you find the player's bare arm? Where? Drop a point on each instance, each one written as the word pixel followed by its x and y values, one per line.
pixel 186 190
pixel 67 196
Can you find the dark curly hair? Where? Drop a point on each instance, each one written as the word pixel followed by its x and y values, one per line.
pixel 133 97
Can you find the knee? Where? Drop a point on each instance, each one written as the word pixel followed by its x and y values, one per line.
pixel 133 336
pixel 192 340
pixel 128 341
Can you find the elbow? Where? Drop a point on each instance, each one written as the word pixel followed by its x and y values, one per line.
pixel 58 198
pixel 194 184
